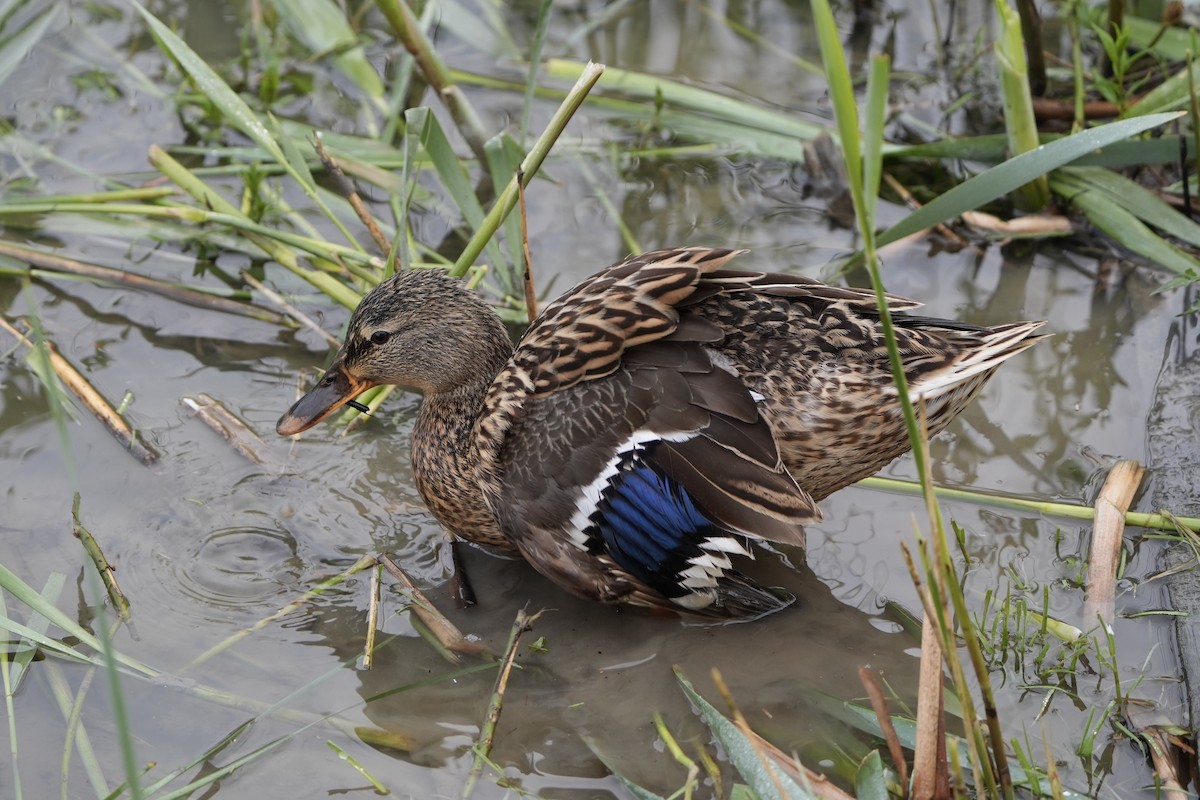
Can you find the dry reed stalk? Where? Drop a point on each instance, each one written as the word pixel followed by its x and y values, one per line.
pixel 346 188
pixel 531 301
pixel 931 780
pixel 234 431
pixel 372 618
pixel 1056 790
pixel 1107 532
pixel 1029 225
pixel 879 704
pixel 108 573
pixel 447 634
pixel 290 310
pixel 181 294
pixel 915 204
pixel 487 731
pixel 92 399
pixel 1162 754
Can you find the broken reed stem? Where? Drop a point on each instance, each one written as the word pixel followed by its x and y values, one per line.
pixel 950 586
pixel 912 202
pixel 108 572
pixel 236 432
pixel 1164 760
pixel 1056 790
pixel 870 682
pixel 289 309
pixel 930 779
pixel 1107 533
pixel 409 32
pixel 372 618
pixel 87 394
pixel 1162 522
pixel 347 190
pixel 445 631
pixel 487 732
pixel 531 303
pixel 933 598
pixel 182 294
pixel 363 562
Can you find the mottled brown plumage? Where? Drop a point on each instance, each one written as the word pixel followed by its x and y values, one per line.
pixel 655 418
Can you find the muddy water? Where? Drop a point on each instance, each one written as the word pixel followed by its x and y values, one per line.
pixel 207 544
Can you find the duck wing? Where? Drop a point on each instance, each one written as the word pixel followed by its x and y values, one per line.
pixel 817 357
pixel 624 458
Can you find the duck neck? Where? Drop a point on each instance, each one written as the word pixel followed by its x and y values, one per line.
pixel 445 455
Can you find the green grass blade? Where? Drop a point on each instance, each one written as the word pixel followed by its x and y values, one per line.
pixel 718 135
pixel 70 703
pixel 993 149
pixel 16 48
pixel 507 200
pixel 1172 43
pixel 234 108
pixel 504 157
pixel 25 651
pixel 1141 202
pixel 841 94
pixel 184 179
pixel 10 680
pixel 870 782
pixel 1124 227
pixel 766 781
pixel 876 118
pixel 451 171
pixel 673 94
pixel 120 715
pixel 535 58
pixel 321 26
pixel 45 642
pixel 295 162
pixel 1169 95
pixel 1018 104
pixel 210 84
pixel 380 789
pixel 1004 178
pixel 209 778
pixel 27 595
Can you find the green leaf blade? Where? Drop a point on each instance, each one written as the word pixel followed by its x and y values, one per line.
pixel 1004 178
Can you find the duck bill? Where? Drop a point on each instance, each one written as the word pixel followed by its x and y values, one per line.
pixel 337 388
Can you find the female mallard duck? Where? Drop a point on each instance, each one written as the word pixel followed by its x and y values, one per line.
pixel 654 419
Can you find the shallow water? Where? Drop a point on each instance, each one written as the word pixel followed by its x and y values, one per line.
pixel 206 544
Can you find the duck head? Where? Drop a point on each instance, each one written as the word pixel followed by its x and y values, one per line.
pixel 421 329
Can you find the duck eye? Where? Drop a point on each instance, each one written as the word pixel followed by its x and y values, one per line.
pixel 380 337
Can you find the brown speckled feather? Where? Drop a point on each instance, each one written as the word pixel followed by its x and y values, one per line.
pixel 656 418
